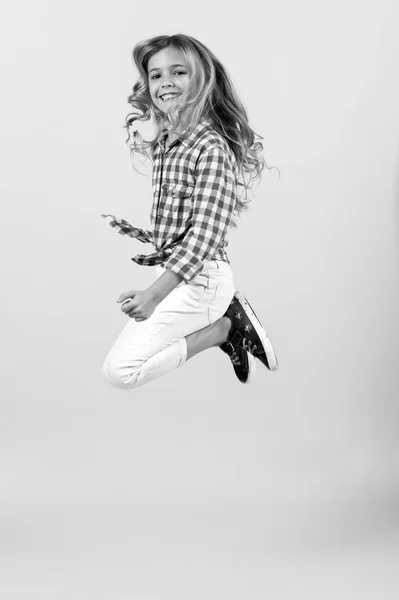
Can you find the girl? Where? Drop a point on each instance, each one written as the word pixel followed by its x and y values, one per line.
pixel 203 147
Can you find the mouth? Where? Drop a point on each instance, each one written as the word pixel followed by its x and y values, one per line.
pixel 169 96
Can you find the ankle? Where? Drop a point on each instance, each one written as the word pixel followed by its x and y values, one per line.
pixel 225 327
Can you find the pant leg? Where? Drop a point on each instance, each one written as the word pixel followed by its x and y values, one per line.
pixel 149 349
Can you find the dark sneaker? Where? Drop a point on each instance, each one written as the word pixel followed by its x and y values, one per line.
pixel 247 331
pixel 243 361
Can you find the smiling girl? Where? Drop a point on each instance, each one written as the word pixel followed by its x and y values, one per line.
pixel 203 150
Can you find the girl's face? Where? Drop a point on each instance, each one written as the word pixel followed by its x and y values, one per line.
pixel 168 74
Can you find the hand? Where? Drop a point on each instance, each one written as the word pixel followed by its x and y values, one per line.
pixel 138 305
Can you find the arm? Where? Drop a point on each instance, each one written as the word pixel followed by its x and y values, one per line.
pixel 164 285
pixel 140 305
pixel 213 201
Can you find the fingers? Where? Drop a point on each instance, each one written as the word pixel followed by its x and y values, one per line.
pixel 135 313
pixel 136 316
pixel 132 311
pixel 126 295
pixel 128 305
pixel 130 308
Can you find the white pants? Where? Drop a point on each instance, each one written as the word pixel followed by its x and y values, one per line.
pixel 148 349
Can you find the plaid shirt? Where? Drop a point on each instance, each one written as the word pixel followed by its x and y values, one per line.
pixel 194 183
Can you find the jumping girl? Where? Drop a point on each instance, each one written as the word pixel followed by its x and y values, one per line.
pixel 203 149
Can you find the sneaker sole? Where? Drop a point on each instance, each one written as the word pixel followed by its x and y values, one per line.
pixel 270 354
pixel 252 368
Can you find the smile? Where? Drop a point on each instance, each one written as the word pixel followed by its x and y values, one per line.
pixel 168 96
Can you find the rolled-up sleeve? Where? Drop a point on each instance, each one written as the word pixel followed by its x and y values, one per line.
pixel 213 202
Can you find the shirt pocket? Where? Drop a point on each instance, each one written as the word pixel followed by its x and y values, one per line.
pixel 175 204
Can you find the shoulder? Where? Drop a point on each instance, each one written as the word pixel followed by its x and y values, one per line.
pixel 212 150
pixel 210 139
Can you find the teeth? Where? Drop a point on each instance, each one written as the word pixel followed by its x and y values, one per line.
pixel 168 96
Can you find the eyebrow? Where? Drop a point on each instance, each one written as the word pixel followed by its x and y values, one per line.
pixel 157 69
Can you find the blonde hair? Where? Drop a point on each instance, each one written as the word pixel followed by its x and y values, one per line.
pixel 211 95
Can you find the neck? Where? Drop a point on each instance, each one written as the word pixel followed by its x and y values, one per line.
pixel 171 137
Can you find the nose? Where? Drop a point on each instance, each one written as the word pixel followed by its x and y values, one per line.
pixel 164 87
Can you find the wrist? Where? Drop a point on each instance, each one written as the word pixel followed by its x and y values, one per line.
pixel 151 294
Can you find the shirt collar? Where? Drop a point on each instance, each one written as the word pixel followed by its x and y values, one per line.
pixel 191 137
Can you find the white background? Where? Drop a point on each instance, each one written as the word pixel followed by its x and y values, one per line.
pixel 196 486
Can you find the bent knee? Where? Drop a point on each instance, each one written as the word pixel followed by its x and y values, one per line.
pixel 121 376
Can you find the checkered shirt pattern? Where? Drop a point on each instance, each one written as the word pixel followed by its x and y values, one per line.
pixel 194 182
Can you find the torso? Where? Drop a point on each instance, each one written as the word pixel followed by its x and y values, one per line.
pixel 174 179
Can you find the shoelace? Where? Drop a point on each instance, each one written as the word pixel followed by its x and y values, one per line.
pixel 235 359
pixel 249 345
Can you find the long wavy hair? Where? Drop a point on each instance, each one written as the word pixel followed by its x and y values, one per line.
pixel 210 95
